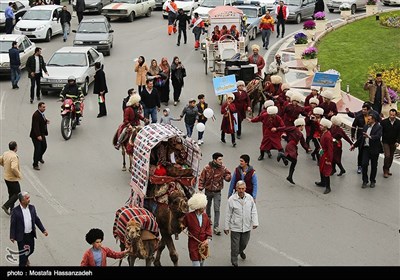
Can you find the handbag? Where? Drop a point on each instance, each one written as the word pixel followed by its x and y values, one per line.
pixel 159 82
pixel 183 72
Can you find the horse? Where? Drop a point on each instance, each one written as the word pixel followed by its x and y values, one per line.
pixel 127 144
pixel 255 89
pixel 137 229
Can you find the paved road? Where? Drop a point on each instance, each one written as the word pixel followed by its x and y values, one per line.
pixel 81 185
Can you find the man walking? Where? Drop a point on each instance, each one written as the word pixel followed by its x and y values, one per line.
pixel 282 13
pixel 266 27
pixel 24 220
pixel 198 28
pixel 390 140
pixel 9 14
pixel 182 18
pixel 212 180
pixel 38 134
pixel 241 217
pixel 100 88
pixel 325 162
pixel 12 174
pixel 80 7
pixel 150 101
pixel 15 64
pixel 244 172
pixel 35 66
pixel 280 68
pixel 65 19
pixel 172 10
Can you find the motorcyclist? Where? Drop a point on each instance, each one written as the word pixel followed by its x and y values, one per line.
pixel 73 91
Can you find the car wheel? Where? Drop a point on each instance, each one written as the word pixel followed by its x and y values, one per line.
pixel 85 87
pixel 353 9
pixel 131 17
pixel 298 18
pixel 331 10
pixel 48 36
pixel 148 13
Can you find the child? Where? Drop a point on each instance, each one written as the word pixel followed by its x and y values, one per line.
pixel 191 114
pixel 97 255
pixel 166 118
pixel 201 106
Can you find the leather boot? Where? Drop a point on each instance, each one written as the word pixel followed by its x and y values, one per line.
pixel 290 177
pixel 327 190
pixel 261 157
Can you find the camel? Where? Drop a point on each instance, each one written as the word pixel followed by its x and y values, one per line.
pixel 127 144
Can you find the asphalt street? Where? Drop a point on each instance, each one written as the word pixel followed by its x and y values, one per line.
pixel 81 184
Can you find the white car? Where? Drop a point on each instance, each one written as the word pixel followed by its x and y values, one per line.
pixel 71 61
pixel 354 4
pixel 128 9
pixel 40 22
pixel 390 2
pixel 207 5
pixel 25 46
pixel 188 7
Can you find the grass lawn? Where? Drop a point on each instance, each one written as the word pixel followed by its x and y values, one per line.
pixel 354 47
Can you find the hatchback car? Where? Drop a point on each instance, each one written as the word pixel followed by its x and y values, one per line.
pixel 188 7
pixel 95 32
pixel 128 9
pixel 25 46
pixel 299 9
pixel 254 13
pixel 40 22
pixel 19 10
pixel 354 4
pixel 67 61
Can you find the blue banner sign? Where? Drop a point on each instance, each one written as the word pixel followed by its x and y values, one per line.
pixel 224 85
pixel 324 80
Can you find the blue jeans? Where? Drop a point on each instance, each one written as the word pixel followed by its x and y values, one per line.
pixel 65 28
pixel 152 112
pixel 189 129
pixel 216 196
pixel 265 33
pixel 15 74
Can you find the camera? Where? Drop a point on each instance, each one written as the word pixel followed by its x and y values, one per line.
pixel 370 81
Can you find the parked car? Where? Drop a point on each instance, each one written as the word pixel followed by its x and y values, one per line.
pixel 188 7
pixel 19 12
pixel 269 4
pixel 254 13
pixel 40 22
pixel 128 9
pixel 96 33
pixel 159 4
pixel 299 9
pixel 354 4
pixel 390 2
pixel 207 5
pixel 93 5
pixel 71 61
pixel 25 46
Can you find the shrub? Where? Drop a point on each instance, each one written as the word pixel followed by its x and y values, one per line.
pixel 390 74
pixel 390 20
pixel 300 38
pixel 309 24
pixel 309 53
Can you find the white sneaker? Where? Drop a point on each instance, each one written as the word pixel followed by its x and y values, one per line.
pixel 200 142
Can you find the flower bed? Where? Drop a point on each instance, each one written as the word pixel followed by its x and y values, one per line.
pixel 309 24
pixel 300 38
pixel 319 16
pixel 309 53
pixel 391 20
pixel 391 77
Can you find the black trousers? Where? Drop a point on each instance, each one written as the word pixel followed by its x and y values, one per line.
pixel 182 30
pixel 26 248
pixel 232 137
pixel 140 88
pixel 35 80
pixel 14 189
pixel 40 148
pixel 281 22
pixel 177 89
pixel 367 156
pixel 377 106
pixel 9 26
pixel 80 16
pixel 239 131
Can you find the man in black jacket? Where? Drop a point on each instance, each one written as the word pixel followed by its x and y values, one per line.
pixel 182 18
pixel 15 64
pixel 100 88
pixel 390 139
pixel 64 17
pixel 35 65
pixel 371 146
pixel 79 8
pixel 38 134
pixel 150 101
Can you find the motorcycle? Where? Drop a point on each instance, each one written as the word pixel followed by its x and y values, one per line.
pixel 68 115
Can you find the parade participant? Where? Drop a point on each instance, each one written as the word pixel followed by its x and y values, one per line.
pixel 72 91
pixel 377 92
pixel 313 103
pixel 338 133
pixel 12 174
pixel 150 101
pixel 24 220
pixel 314 94
pixel 244 172
pixel 274 88
pixel 199 229
pixel 315 131
pixel 282 13
pixel 257 59
pixel 100 88
pixel 212 181
pixel 97 254
pixel 294 136
pixel 141 70
pixel 191 114
pixel 242 104
pixel 166 118
pixel 182 18
pixel 234 32
pixel 268 103
pixel 178 73
pixel 172 10
pixel 330 108
pixel 267 27
pixel 224 30
pixel 240 223
pixel 164 89
pixel 201 106
pixel 278 67
pixel 390 140
pixel 325 162
pixel 35 65
pixel 292 111
pixel 126 99
pixel 370 141
pixel 38 134
pixel 198 28
pixel 229 121
pixel 216 34
pixel 269 140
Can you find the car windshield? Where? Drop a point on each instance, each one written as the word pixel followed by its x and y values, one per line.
pixel 5 46
pixel 92 27
pixel 251 13
pixel 212 3
pixel 125 1
pixel 68 59
pixel 37 15
pixel 292 2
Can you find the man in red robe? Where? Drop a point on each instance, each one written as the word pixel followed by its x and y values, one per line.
pixel 325 162
pixel 242 104
pixel 257 59
pixel 329 107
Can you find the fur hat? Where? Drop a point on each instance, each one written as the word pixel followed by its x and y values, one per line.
pixel 289 93
pixel 318 111
pixel 272 110
pixel 197 201
pixel 325 122
pixel 255 47
pixel 285 86
pixel 230 95
pixel 296 97
pixel 268 103
pixel 275 79
pixel 135 98
pixel 299 121
pixel 240 83
pixel 93 235
pixel 336 120
pixel 327 94
pixel 314 100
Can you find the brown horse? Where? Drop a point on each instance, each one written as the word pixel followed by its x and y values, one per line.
pixel 127 144
pixel 255 89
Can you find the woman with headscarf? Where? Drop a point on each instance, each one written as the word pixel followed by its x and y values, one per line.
pixel 156 74
pixel 178 72
pixel 141 70
pixel 164 90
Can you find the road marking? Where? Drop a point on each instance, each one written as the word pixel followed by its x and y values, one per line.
pixel 43 191
pixel 2 106
pixel 299 262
